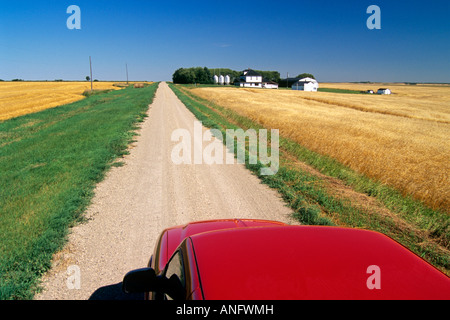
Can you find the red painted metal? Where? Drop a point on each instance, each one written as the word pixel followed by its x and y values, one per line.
pixel 268 260
pixel 172 237
pixel 304 262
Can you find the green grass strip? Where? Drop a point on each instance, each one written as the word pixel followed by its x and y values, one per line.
pixel 345 91
pixel 50 163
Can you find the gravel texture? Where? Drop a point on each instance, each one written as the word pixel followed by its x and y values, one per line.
pixel 149 193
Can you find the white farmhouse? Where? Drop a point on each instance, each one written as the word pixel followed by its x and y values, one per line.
pixel 384 91
pixel 306 84
pixel 250 79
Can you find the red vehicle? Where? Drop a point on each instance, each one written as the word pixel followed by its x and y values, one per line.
pixel 267 260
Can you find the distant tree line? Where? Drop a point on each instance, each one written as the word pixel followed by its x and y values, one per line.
pixel 225 71
pixel 193 75
pixel 205 76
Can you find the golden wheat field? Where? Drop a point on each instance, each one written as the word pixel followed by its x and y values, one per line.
pixel 402 140
pixel 20 98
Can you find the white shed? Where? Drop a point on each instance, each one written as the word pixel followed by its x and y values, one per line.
pixel 306 84
pixel 384 91
pixel 267 84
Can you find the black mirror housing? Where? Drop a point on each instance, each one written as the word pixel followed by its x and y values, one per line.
pixel 140 280
pixel 145 280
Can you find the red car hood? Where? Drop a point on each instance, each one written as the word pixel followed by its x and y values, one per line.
pixel 304 262
pixel 173 237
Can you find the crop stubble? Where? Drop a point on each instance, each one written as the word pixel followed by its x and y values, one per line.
pixel 20 98
pixel 401 140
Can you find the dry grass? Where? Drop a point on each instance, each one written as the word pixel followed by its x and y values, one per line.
pixel 401 139
pixel 20 98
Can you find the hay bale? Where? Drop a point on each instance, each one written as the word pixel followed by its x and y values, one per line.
pixel 138 85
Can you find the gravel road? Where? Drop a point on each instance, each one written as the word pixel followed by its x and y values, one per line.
pixel 137 201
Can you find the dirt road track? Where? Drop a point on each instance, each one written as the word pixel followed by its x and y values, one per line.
pixel 149 193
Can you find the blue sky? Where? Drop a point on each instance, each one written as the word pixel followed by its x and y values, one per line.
pixel 329 39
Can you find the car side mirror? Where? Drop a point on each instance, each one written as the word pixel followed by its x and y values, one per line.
pixel 146 280
pixel 141 280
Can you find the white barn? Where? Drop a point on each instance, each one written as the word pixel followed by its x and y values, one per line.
pixel 384 91
pixel 306 84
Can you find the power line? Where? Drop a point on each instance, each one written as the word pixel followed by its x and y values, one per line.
pixel 90 64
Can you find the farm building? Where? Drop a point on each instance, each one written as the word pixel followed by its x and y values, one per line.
pixel 306 84
pixel 252 79
pixel 384 91
pixel 267 84
pixel 222 80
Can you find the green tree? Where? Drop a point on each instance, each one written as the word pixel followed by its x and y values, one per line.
pixel 270 75
pixel 183 76
pixel 202 75
pixel 192 75
pixel 305 75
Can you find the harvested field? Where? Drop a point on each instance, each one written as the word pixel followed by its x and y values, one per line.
pixel 20 98
pixel 50 163
pixel 401 140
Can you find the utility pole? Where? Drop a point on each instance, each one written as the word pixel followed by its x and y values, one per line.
pixel 126 65
pixel 90 64
pixel 287 80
